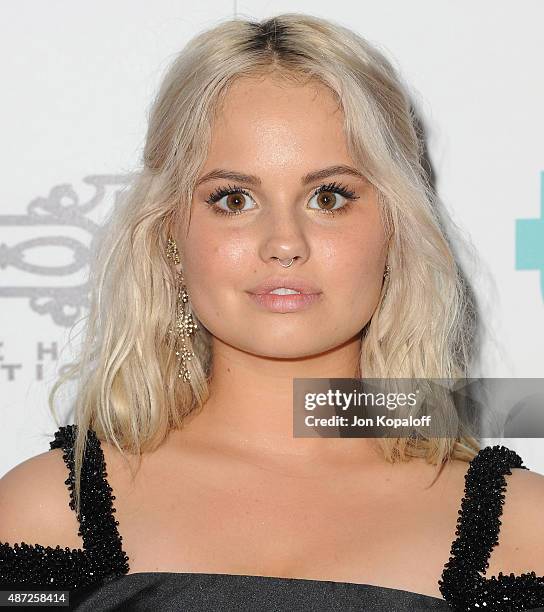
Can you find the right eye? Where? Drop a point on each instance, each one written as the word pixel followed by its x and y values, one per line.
pixel 235 199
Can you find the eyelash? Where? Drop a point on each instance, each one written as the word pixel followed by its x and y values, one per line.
pixel 333 187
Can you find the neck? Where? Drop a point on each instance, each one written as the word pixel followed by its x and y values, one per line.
pixel 250 408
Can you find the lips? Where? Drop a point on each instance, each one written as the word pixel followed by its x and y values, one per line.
pixel 285 303
pixel 288 282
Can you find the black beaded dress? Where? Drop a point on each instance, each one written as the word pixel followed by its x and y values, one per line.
pixel 97 577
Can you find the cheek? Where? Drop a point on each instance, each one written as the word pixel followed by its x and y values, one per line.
pixel 214 252
pixel 216 269
pixel 355 257
pixel 224 260
pixel 356 267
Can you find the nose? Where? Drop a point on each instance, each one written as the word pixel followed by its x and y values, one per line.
pixel 284 239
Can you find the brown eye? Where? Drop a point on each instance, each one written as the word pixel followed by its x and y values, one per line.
pixel 235 198
pixel 235 201
pixel 326 199
pixel 333 199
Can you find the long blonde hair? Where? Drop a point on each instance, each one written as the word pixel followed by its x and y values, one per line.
pixel 128 390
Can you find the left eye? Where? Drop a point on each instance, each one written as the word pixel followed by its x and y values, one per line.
pixel 327 195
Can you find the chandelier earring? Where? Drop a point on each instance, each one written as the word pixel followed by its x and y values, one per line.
pixel 184 324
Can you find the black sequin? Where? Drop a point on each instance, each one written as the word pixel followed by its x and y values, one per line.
pixel 103 559
pixel 477 533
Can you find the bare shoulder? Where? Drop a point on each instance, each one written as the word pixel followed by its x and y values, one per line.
pixel 34 503
pixel 521 537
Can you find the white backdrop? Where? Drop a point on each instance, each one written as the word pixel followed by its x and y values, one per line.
pixel 78 79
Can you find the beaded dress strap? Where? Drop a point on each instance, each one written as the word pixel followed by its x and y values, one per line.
pixel 98 527
pixel 479 521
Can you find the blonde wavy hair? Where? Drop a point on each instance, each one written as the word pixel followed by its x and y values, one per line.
pixel 128 389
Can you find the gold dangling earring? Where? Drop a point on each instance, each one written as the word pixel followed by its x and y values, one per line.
pixel 385 278
pixel 185 325
pixel 386 274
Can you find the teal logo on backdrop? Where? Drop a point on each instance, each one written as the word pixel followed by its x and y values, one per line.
pixel 530 241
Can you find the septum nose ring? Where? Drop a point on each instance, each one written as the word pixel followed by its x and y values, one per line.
pixel 288 264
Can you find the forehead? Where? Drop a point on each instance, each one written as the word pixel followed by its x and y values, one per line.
pixel 270 119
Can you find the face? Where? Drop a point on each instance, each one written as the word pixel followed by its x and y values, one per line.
pixel 282 133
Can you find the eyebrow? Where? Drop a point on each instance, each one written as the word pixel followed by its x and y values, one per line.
pixel 253 180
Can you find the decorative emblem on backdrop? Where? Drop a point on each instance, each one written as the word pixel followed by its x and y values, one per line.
pixel 530 241
pixel 45 254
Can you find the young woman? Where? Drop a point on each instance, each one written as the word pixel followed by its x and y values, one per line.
pixel 280 155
